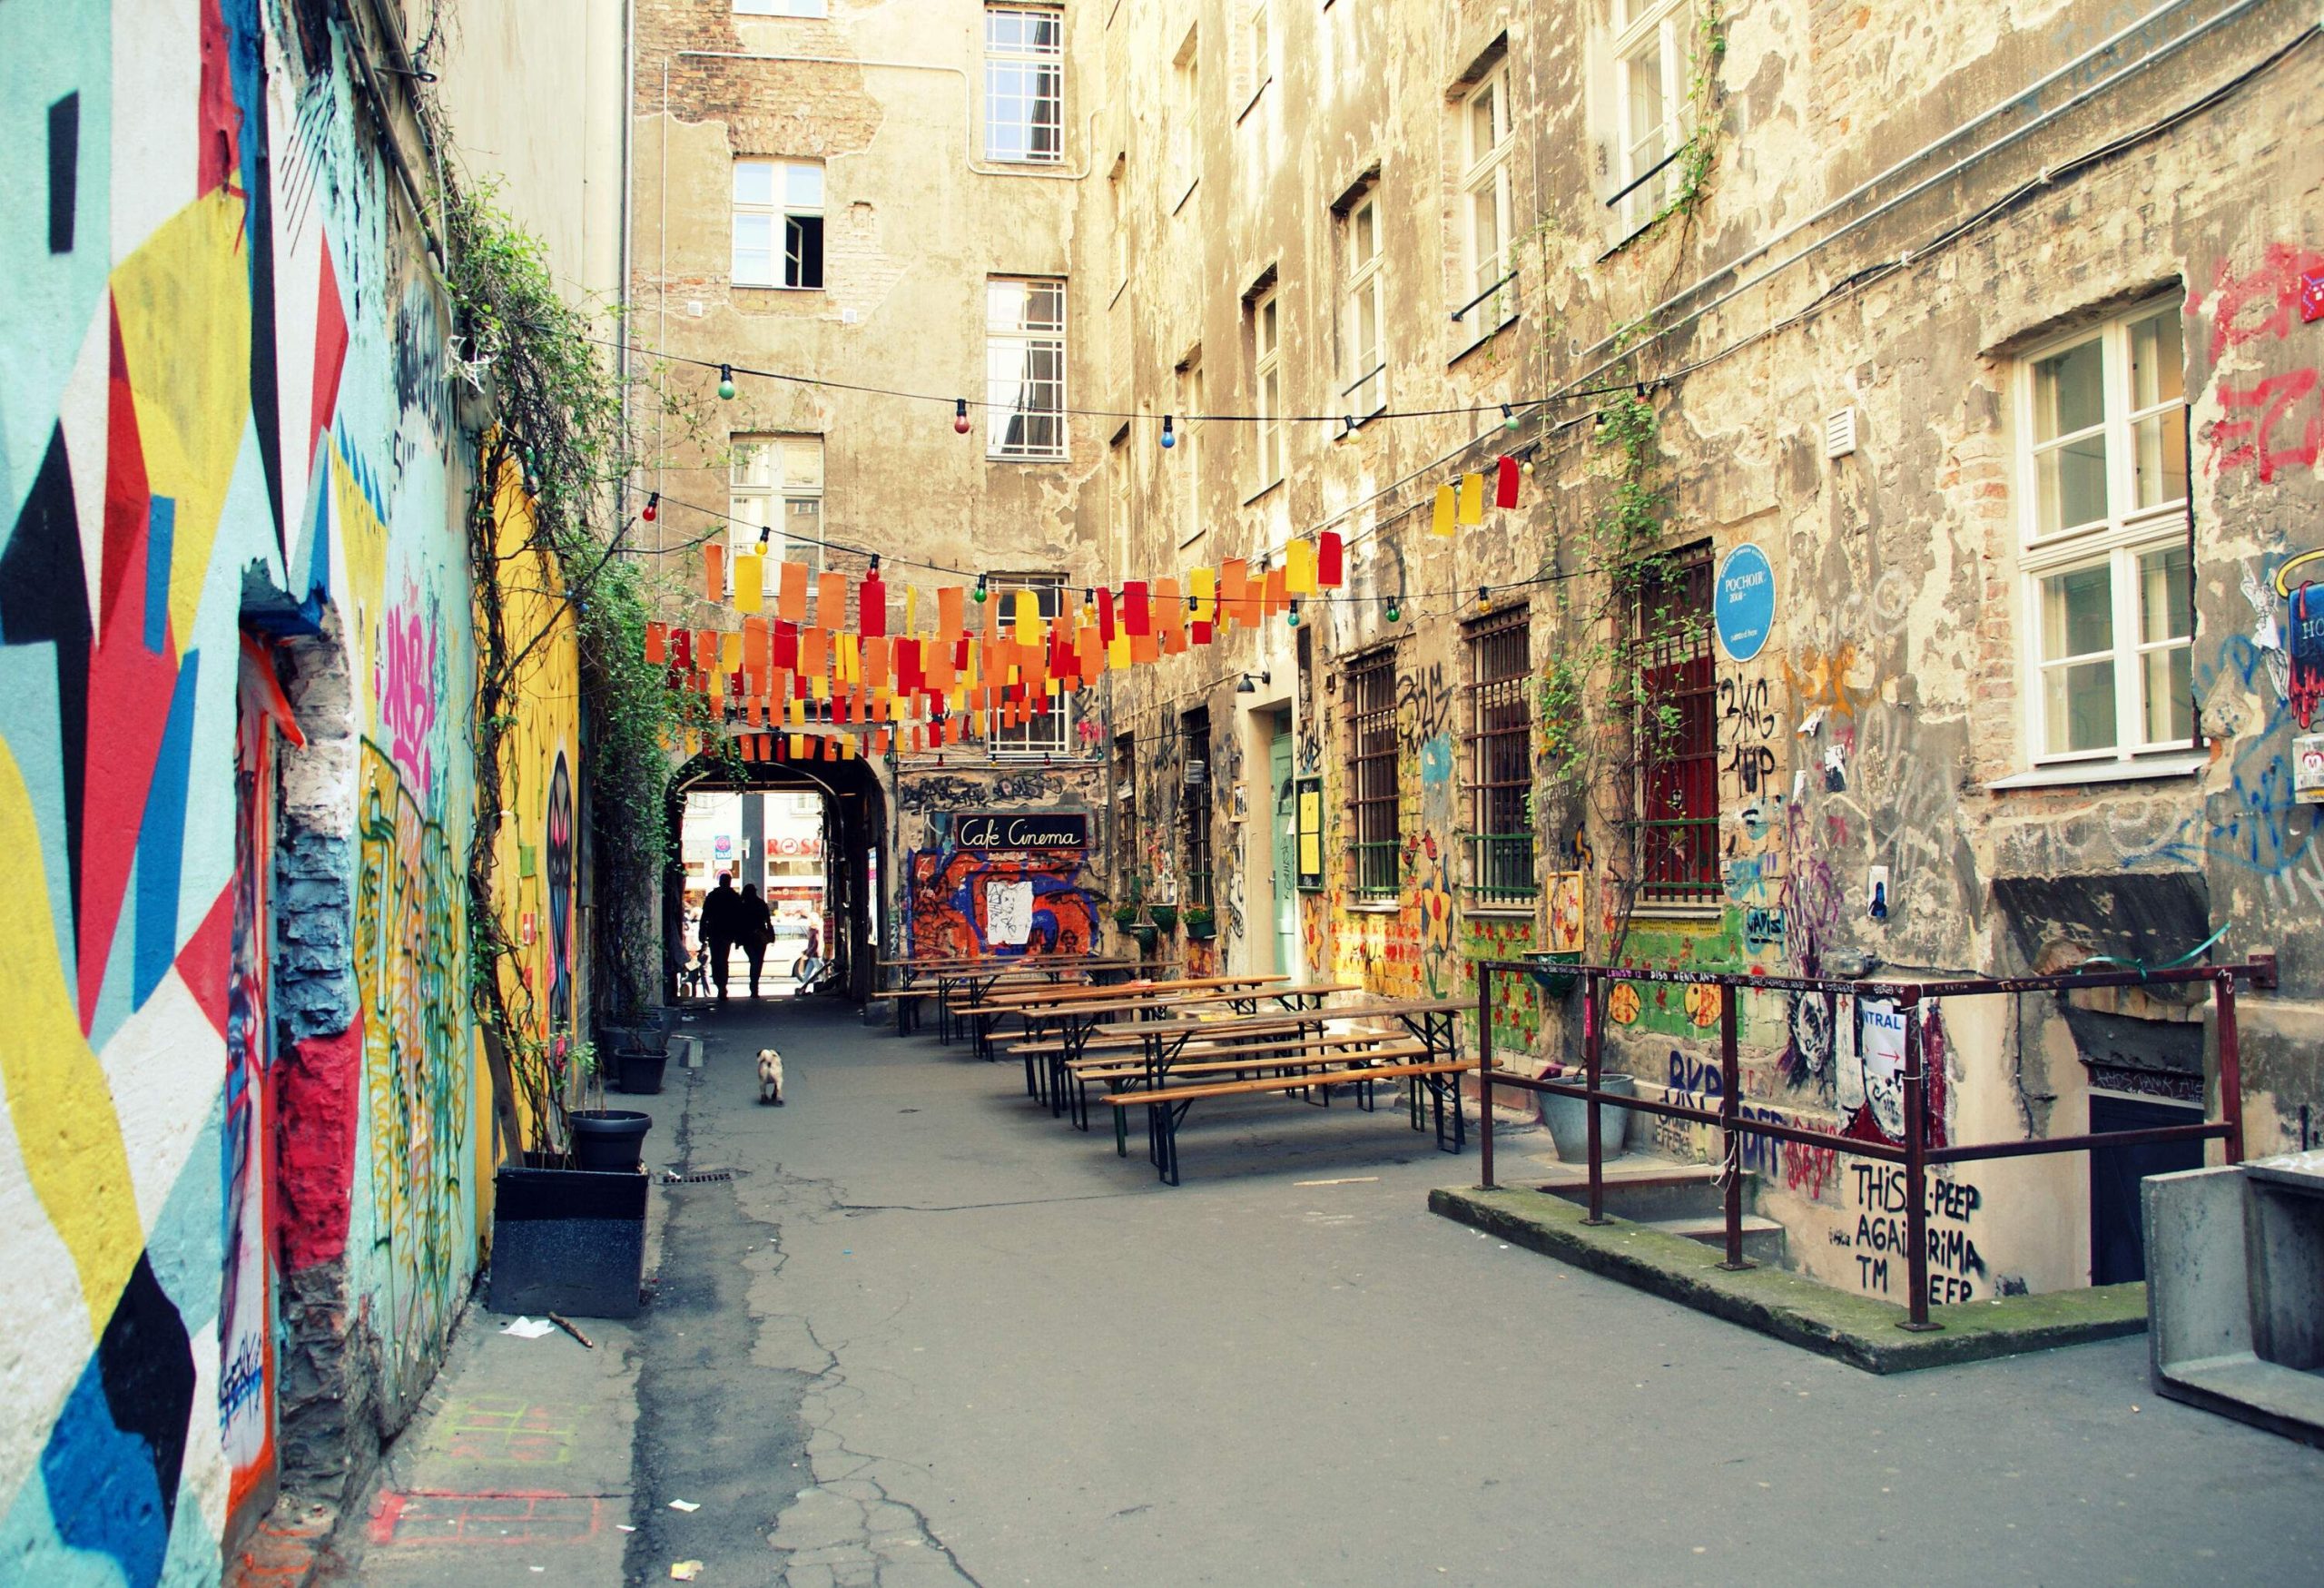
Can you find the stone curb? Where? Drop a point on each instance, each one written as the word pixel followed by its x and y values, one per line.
pixel 1856 1330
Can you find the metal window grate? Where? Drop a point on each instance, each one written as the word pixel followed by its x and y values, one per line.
pixel 1500 762
pixel 1677 789
pixel 1371 802
pixel 1193 810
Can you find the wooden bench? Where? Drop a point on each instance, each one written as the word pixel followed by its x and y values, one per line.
pixel 1248 1056
pixel 1167 1107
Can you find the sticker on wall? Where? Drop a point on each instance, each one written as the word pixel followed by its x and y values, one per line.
pixel 1744 608
pixel 1884 1065
pixel 1009 913
pixel 2308 769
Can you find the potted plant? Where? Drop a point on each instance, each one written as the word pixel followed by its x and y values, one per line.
pixel 1554 969
pixel 568 1225
pixel 1164 916
pixel 642 1068
pixel 1201 922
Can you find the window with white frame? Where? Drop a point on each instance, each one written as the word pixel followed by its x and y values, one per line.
pixel 1024 368
pixel 779 206
pixel 1185 106
pixel 1189 450
pixel 1366 370
pixel 2107 563
pixel 1047 730
pixel 1485 202
pixel 1266 386
pixel 781 8
pixel 1254 58
pixel 1652 38
pixel 1024 84
pixel 774 499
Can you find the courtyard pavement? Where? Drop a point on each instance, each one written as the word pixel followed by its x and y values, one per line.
pixel 926 1334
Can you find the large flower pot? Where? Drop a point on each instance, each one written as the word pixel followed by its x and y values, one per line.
pixel 568 1240
pixel 649 1038
pixel 641 1072
pixel 609 1139
pixel 1569 1119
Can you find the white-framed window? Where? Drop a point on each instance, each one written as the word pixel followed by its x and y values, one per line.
pixel 1266 386
pixel 2107 562
pixel 1186 105
pixel 1048 730
pixel 1024 368
pixel 1188 467
pixel 1485 143
pixel 1651 39
pixel 779 223
pixel 1363 390
pixel 1024 84
pixel 774 499
pixel 781 8
pixel 1254 57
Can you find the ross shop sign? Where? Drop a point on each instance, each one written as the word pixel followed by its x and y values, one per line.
pixel 1022 829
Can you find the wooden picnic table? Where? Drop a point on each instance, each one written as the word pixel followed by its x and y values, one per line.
pixel 990 1004
pixel 1077 1019
pixel 949 975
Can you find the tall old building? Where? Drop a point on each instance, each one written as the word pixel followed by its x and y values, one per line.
pixel 1912 428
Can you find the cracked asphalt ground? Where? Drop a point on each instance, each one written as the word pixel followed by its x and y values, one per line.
pixel 928 1334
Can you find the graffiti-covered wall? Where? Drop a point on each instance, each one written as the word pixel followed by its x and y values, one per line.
pixel 240 1153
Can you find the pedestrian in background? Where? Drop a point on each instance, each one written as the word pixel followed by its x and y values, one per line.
pixel 758 931
pixel 723 921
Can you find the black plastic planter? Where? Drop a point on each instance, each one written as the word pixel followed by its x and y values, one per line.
pixel 609 1139
pixel 568 1240
pixel 642 1071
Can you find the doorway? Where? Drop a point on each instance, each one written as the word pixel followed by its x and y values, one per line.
pixel 2117 1220
pixel 1283 832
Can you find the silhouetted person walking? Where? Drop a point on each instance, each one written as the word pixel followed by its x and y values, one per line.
pixel 758 931
pixel 722 922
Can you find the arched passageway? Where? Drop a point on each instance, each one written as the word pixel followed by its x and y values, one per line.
pixel 823 870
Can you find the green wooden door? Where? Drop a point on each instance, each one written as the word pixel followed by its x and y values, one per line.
pixel 1284 834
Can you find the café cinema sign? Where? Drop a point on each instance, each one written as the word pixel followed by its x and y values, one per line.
pixel 1022 829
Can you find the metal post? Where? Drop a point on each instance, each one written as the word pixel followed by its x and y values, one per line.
pixel 1484 1074
pixel 1915 1171
pixel 2230 1069
pixel 1729 1110
pixel 1593 1036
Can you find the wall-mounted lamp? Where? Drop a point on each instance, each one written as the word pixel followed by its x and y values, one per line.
pixel 1247 687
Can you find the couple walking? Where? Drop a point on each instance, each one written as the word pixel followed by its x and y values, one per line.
pixel 731 920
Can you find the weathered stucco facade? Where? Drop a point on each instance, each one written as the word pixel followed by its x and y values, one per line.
pixel 1825 329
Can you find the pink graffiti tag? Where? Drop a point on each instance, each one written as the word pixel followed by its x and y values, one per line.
pixel 2275 398
pixel 2273 287
pixel 408 684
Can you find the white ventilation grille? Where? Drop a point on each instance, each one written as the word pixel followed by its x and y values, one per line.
pixel 1839 432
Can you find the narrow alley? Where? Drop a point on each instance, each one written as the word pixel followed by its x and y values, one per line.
pixel 926 1333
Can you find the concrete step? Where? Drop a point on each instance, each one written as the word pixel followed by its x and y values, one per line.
pixel 1762 1237
pixel 1646 1189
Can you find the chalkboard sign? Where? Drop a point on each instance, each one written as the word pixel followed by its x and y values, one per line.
pixel 1022 829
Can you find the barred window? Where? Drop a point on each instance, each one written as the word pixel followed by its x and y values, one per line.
pixel 1046 731
pixel 1676 727
pixel 1194 805
pixel 1125 808
pixel 1372 797
pixel 1500 762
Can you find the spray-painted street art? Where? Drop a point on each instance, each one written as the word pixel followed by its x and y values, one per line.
pixel 232 478
pixel 951 895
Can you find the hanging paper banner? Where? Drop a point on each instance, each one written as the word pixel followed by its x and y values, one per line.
pixel 872 602
pixel 1169 612
pixel 791 593
pixel 1472 498
pixel 1299 569
pixel 1331 560
pixel 1137 615
pixel 812 660
pixel 749 582
pixel 831 600
pixel 1027 616
pixel 1232 583
pixel 713 569
pixel 1105 616
pixel 1203 586
pixel 1505 488
pixel 786 645
pixel 798 746
pixel 755 645
pixel 1118 652
pixel 1278 594
pixel 1442 523
pixel 657 643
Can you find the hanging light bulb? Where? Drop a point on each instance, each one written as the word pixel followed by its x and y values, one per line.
pixel 1508 417
pixel 978 591
pixel 873 571
pixel 1347 427
pixel 1292 616
pixel 1484 599
pixel 727 382
pixel 1526 468
pixel 1169 435
pixel 766 533
pixel 1392 612
pixel 960 414
pixel 652 507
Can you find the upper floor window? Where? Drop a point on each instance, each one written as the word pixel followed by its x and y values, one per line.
pixel 1190 444
pixel 778 202
pixel 1024 368
pixel 1650 44
pixel 1024 84
pixel 781 8
pixel 1267 383
pixel 1254 58
pixel 2109 598
pixel 1485 201
pixel 1366 392
pixel 776 498
pixel 1500 760
pixel 1043 725
pixel 1185 104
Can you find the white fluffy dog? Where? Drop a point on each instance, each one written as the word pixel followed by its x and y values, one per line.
pixel 769 1077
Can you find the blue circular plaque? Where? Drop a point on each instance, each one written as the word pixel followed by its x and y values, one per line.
pixel 1743 602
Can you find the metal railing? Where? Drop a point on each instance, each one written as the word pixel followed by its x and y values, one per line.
pixel 1914 1154
pixel 1501 868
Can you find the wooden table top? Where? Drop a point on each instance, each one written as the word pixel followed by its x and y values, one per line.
pixel 1078 1007
pixel 1183 984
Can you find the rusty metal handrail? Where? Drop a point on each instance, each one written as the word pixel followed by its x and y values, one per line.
pixel 1915 1155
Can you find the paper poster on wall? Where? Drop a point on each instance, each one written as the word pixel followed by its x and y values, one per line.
pixel 1883 1048
pixel 1311 831
pixel 1009 913
pixel 1564 925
